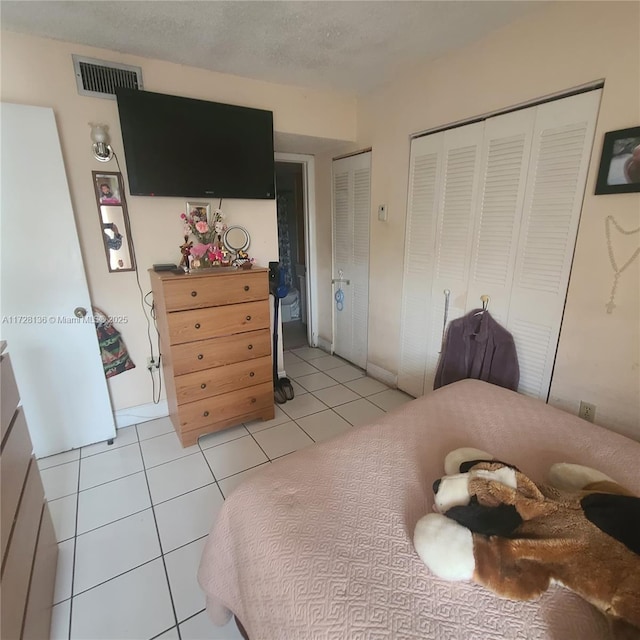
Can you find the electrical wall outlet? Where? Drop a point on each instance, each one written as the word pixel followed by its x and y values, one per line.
pixel 587 411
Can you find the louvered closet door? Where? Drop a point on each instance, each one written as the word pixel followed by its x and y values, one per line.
pixel 562 143
pixel 503 177
pixel 351 219
pixel 454 234
pixel 422 212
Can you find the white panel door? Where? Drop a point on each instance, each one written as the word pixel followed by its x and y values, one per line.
pixel 351 221
pixel 562 142
pixel 422 212
pixel 55 356
pixel 454 234
pixel 503 177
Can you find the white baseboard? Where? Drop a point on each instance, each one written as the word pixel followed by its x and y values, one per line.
pixel 141 413
pixel 325 345
pixel 374 371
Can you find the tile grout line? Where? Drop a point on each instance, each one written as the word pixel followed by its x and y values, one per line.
pixel 155 466
pixel 53 466
pixel 165 631
pixel 206 460
pixel 213 446
pixel 102 484
pixel 255 466
pixel 261 449
pixel 193 616
pixel 106 524
pixel 307 434
pixel 164 563
pixel 119 575
pixel 75 545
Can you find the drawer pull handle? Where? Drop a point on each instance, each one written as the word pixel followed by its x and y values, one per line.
pixel 206 414
pixel 248 318
pixel 250 347
pixel 197 325
pixel 252 374
pixel 246 287
pixel 194 294
pixel 253 400
pixel 203 386
pixel 200 356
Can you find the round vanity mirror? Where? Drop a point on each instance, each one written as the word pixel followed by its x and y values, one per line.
pixel 236 239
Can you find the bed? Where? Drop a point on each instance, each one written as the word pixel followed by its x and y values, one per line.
pixel 319 544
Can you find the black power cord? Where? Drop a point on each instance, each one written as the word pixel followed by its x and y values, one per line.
pixel 143 303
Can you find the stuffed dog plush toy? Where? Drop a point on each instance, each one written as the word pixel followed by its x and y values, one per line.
pixel 495 526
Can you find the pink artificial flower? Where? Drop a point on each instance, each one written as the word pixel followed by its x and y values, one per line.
pixel 215 254
pixel 199 250
pixel 183 216
pixel 202 227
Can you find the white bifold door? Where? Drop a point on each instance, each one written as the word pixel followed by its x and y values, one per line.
pixel 493 210
pixel 351 196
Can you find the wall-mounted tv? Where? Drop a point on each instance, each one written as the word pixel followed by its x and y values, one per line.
pixel 178 146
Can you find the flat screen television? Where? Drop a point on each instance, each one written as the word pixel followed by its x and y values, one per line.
pixel 178 146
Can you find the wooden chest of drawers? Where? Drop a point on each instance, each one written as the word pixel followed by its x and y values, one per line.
pixel 29 548
pixel 216 348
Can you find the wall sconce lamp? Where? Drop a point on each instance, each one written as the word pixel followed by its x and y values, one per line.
pixel 102 150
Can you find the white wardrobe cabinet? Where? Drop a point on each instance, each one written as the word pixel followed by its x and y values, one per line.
pixel 493 210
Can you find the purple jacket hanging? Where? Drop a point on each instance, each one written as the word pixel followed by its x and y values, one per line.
pixel 476 346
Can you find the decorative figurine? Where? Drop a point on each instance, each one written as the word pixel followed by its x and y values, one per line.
pixel 185 250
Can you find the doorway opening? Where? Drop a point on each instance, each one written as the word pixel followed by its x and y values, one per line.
pixel 292 207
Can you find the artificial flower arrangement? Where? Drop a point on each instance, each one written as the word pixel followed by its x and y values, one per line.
pixel 207 251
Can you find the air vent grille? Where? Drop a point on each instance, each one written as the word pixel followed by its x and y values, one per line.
pixel 99 78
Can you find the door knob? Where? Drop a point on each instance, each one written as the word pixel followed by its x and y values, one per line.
pixel 79 312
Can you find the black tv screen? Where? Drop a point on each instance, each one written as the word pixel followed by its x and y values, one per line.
pixel 178 146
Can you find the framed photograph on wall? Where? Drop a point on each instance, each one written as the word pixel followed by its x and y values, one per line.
pixel 200 210
pixel 107 188
pixel 620 163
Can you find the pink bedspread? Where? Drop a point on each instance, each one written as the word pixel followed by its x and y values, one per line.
pixel 319 544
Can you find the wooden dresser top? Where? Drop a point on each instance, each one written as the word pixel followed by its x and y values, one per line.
pixel 216 271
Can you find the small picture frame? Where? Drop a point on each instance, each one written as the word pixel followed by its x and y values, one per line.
pixel 200 210
pixel 107 188
pixel 620 163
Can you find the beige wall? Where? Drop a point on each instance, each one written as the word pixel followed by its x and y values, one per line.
pixel 554 49
pixel 39 72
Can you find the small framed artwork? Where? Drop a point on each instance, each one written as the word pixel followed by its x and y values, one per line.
pixel 107 188
pixel 620 163
pixel 200 210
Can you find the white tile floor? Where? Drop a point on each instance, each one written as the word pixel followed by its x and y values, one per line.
pixel 132 518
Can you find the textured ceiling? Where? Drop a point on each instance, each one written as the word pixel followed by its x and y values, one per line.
pixel 350 46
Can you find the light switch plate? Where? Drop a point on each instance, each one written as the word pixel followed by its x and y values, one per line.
pixel 382 212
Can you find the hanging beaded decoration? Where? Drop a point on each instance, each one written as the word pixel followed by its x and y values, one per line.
pixel 610 220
